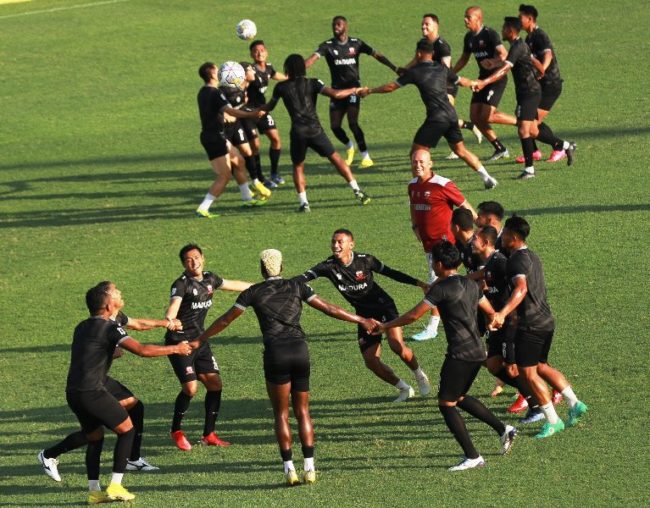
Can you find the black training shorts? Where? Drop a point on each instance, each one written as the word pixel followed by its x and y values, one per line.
pixel 288 362
pixel 383 314
pixel 235 133
pixel 352 101
pixel 532 347
pixel 430 133
pixel 527 105
pixel 320 143
pixel 117 389
pixel 456 377
pixel 201 361
pixel 550 94
pixel 491 94
pixel 96 408
pixel 501 342
pixel 214 144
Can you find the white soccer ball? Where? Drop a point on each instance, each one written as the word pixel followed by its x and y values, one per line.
pixel 246 29
pixel 232 75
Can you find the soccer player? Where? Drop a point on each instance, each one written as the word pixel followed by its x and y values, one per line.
pixel 442 55
pixel 535 327
pixel 264 71
pixel 491 213
pixel 299 95
pixel 191 298
pixel 278 306
pixel 489 52
pixel 550 80
pixel 352 275
pixel 239 135
pixel 432 199
pixel 431 79
pixel 212 107
pixel 93 345
pixel 462 227
pixel 528 91
pixel 342 54
pixel 458 298
pixel 48 457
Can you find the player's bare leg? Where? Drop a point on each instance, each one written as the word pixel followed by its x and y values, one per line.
pixel 473 162
pixel 279 397
pixel 395 339
pixel 345 171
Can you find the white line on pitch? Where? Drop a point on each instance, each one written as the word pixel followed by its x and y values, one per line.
pixel 67 8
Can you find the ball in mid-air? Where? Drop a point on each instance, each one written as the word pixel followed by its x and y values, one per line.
pixel 246 29
pixel 232 75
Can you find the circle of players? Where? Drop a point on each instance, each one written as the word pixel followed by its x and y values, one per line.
pixel 504 277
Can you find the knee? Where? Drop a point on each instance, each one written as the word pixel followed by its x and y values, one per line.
pixel 372 363
pixel 190 389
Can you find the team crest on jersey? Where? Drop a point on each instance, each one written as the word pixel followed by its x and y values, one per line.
pixel 210 290
pixel 427 194
pixel 352 51
pixel 195 292
pixel 359 275
pixel 481 44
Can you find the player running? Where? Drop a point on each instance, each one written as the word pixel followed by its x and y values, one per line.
pixel 278 306
pixel 342 54
pixel 299 94
pixel 351 273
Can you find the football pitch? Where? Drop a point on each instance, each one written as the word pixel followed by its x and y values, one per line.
pixel 101 170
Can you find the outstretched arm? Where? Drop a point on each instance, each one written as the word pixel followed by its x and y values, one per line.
pixel 141 324
pixel 255 113
pixel 149 350
pixel 235 285
pixel 462 62
pixel 221 323
pixel 387 88
pixel 337 312
pixel 338 94
pixel 311 60
pixel 482 83
pixel 382 59
pixel 516 297
pixel 405 319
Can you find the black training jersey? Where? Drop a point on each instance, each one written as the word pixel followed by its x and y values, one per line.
pixel 533 312
pixel 355 280
pixel 278 305
pixel 93 345
pixel 343 60
pixel 234 95
pixel 539 43
pixel 471 261
pixel 257 88
pixel 431 78
pixel 482 45
pixel 523 72
pixel 196 298
pixel 299 96
pixel 457 299
pixel 211 104
pixel 121 319
pixel 496 280
pixel 441 49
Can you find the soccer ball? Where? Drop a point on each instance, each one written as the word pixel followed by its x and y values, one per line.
pixel 246 29
pixel 232 75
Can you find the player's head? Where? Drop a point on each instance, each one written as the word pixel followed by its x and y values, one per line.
pixel 424 50
pixel 294 66
pixel 192 258
pixel 342 243
pixel 421 164
pixel 104 296
pixel 430 24
pixel 270 263
pixel 527 16
pixel 515 232
pixel 484 241
pixel 511 28
pixel 445 257
pixel 339 26
pixel 490 213
pixel 258 50
pixel 473 18
pixel 208 71
pixel 462 221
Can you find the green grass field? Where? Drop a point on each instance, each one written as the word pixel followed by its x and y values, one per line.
pixel 101 170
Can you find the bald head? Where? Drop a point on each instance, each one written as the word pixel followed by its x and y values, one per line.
pixel 421 164
pixel 473 18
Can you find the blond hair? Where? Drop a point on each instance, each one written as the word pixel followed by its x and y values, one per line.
pixel 272 261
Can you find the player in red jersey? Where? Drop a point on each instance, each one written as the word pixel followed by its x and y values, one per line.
pixel 432 200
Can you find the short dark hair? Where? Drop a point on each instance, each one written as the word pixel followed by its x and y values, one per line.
pixel 489 234
pixel 204 71
pixel 424 46
pixel 512 22
pixel 528 10
pixel 187 248
pixel 256 42
pixel 294 66
pixel 491 208
pixel 447 253
pixel 339 18
pixel 463 218
pixel 432 16
pixel 96 297
pixel 343 231
pixel 518 225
